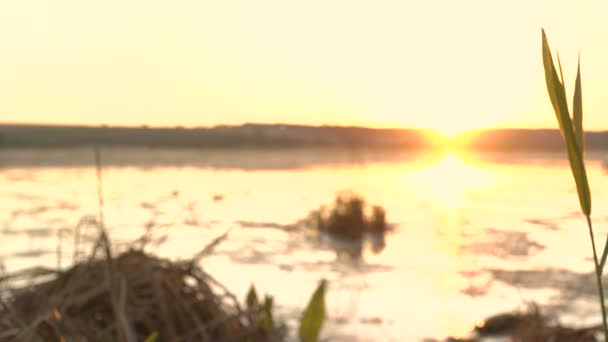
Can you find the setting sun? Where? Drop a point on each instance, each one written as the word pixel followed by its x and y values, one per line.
pixel 451 129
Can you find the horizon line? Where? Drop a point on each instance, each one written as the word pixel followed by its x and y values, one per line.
pixel 178 126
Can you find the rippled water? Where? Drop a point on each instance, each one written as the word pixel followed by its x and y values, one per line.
pixel 472 235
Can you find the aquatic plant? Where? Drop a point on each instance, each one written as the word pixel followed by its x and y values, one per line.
pixel 347 218
pixel 571 129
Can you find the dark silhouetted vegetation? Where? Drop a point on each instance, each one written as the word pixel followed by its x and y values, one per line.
pixel 348 218
pixel 172 301
pixel 249 135
pixel 530 325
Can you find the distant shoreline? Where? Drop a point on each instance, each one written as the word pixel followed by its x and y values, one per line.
pixel 282 136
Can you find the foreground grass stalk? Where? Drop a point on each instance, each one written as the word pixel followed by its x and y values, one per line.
pixel 604 255
pixel 122 326
pixel 598 276
pixel 571 129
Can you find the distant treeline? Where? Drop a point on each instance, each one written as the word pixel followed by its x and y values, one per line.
pixel 250 135
pixel 278 135
pixel 527 139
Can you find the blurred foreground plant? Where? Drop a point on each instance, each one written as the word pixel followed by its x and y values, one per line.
pixel 571 129
pixel 311 321
pixel 313 316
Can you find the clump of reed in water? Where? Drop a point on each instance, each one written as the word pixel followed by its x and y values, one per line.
pixel 348 218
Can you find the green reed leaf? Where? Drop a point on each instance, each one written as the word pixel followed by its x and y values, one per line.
pixel 577 110
pixel 561 73
pixel 557 94
pixel 314 315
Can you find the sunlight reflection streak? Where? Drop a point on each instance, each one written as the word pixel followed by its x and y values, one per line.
pixel 446 182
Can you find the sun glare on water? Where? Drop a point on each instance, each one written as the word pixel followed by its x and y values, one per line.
pixel 447 181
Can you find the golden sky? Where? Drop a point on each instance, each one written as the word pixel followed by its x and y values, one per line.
pixel 446 65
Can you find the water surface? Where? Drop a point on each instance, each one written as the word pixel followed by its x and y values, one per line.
pixel 472 235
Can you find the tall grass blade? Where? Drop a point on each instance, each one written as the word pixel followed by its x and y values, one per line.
pixel 561 74
pixel 557 94
pixel 252 298
pixel 604 257
pixel 115 287
pixel 314 315
pixel 577 110
pixel 572 132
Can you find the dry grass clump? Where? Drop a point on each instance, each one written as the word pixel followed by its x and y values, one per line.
pixel 158 300
pixel 348 219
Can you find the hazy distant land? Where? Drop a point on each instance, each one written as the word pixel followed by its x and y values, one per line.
pixel 282 135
